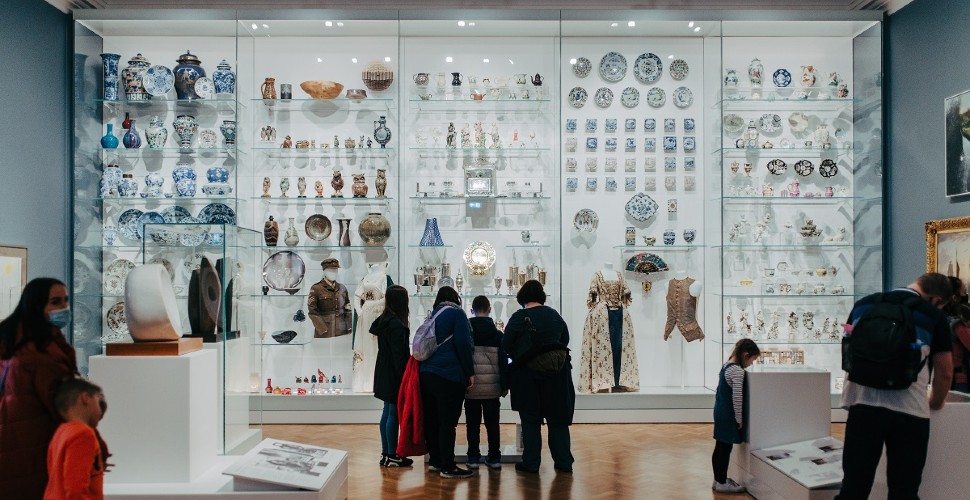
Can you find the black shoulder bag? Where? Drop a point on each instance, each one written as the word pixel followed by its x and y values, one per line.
pixel 535 355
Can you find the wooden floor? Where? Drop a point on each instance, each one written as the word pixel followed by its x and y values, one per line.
pixel 613 461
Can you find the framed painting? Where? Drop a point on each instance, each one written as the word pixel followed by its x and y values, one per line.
pixel 948 247
pixel 957 128
pixel 13 277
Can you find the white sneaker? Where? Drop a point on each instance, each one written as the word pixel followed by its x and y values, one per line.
pixel 728 486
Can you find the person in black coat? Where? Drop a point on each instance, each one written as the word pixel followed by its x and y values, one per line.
pixel 391 329
pixel 536 395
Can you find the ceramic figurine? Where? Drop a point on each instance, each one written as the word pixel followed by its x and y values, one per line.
pixel 381 182
pixel 793 189
pixel 359 186
pixel 131 140
pixel 224 79
pixel 360 143
pixel 292 237
pixel 370 143
pixel 266 186
pixel 109 68
pixel 350 143
pixel 755 72
pixel 809 76
pixel 751 135
pixel 271 232
pixel 822 137
pixel 287 143
pixel 284 187
pixel 479 136
pixel 382 134
pixel 773 329
pixel 792 324
pixel 156 133
pixel 496 139
pixel 132 77
pixel 268 88
pixel 185 127
pixel 301 187
pixel 450 141
pixel 337 183
pixel 466 137
pixel 318 187
pixel 109 141
pixel 759 323
pixel 732 328
pixel 189 70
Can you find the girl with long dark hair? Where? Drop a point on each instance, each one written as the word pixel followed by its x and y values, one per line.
pixel 391 329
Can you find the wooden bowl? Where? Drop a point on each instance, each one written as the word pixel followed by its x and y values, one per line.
pixel 322 89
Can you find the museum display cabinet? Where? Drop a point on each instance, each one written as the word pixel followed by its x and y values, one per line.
pixel 675 166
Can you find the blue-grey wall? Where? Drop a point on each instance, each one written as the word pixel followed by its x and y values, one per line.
pixel 35 104
pixel 927 61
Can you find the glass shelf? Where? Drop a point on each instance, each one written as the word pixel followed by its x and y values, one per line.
pixel 787 296
pixel 496 152
pixel 820 246
pixel 294 342
pixel 369 103
pixel 473 295
pixel 174 200
pixel 278 152
pixel 763 342
pixel 784 152
pixel 429 246
pixel 328 247
pixel 325 201
pixel 769 97
pixel 275 294
pixel 456 199
pixel 220 103
pixel 468 104
pixel 681 248
pixel 529 245
pixel 792 200
pixel 171 152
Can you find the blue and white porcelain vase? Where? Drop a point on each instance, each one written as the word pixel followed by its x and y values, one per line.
pixel 184 177
pixel 224 79
pixel 228 129
pixel 132 77
pixel 189 70
pixel 153 184
pixel 218 177
pixel 185 127
pixel 109 67
pixel 382 134
pixel 132 140
pixel 109 141
pixel 110 180
pixel 128 188
pixel 156 133
pixel 432 236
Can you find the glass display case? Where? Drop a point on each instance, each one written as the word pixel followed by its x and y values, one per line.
pixel 696 165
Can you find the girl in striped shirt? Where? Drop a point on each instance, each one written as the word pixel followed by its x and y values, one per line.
pixel 728 418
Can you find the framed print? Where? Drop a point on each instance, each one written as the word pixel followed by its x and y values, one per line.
pixel 948 247
pixel 957 129
pixel 13 277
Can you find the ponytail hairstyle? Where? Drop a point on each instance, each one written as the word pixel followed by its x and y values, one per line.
pixel 745 346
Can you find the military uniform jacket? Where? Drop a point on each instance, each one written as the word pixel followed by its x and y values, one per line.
pixel 330 309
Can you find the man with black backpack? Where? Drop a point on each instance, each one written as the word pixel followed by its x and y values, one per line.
pixel 893 341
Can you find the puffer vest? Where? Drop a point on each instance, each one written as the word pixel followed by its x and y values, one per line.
pixel 487 382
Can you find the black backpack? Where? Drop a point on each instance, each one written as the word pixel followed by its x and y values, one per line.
pixel 882 351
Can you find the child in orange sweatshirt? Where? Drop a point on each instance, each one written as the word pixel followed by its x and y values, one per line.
pixel 77 455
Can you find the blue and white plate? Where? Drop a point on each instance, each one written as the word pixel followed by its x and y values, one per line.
pixel 157 235
pixel 630 97
pixel 586 220
pixel 577 97
pixel 128 224
pixel 679 69
pixel 582 67
pixel 158 80
pixel 613 67
pixel 648 68
pixel 683 97
pixel 190 236
pixel 641 207
pixel 204 88
pixel 603 97
pixel 656 97
pixel 175 214
pixel 781 77
pixel 217 213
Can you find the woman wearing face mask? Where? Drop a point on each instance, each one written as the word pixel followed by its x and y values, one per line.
pixel 34 359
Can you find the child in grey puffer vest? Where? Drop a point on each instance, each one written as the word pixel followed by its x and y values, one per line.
pixel 482 399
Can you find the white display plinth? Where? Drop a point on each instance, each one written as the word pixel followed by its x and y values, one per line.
pixel 161 425
pixel 945 472
pixel 782 405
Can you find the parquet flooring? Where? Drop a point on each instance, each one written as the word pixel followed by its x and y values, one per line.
pixel 613 461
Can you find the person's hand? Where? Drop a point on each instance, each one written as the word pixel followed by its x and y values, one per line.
pixel 740 426
pixel 936 404
pixel 471 383
pixel 505 393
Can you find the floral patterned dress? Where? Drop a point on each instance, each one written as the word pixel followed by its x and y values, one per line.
pixel 596 358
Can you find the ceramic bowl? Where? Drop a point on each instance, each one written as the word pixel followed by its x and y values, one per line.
pixel 356 94
pixel 322 89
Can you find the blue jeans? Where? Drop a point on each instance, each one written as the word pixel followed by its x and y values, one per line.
pixel 389 429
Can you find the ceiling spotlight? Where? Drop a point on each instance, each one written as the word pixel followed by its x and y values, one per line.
pixel 255 27
pixel 328 24
pixel 449 59
pixel 631 24
pixel 572 61
pixel 340 24
pixel 485 60
pixel 387 59
pixel 614 25
pixel 697 29
pixel 353 60
pixel 319 60
pixel 461 23
pixel 690 24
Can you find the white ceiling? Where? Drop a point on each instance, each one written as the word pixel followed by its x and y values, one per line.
pixel 888 5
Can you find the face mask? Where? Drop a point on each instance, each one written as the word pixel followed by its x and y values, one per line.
pixel 60 318
pixel 330 274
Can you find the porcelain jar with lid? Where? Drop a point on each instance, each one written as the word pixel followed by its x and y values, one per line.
pixel 188 70
pixel 156 133
pixel 224 79
pixel 756 72
pixel 132 78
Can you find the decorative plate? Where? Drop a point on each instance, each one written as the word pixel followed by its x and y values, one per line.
pixel 120 268
pixel 479 256
pixel 577 97
pixel 648 68
pixel 192 263
pixel 175 214
pixel 158 80
pixel 769 123
pixel 603 97
pixel 777 166
pixel 613 67
pixel 781 77
pixel 828 168
pixel 586 220
pixel 318 227
pixel 114 284
pixel 116 319
pixel 733 124
pixel 284 271
pixel 217 213
pixel 683 97
pixel 192 236
pixel 804 167
pixel 656 97
pixel 128 224
pixel 166 264
pixel 798 122
pixel 582 67
pixel 641 207
pixel 151 218
pixel 204 88
pixel 630 97
pixel 678 69
pixel 208 139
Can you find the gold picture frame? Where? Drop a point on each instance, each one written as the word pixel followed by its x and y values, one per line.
pixel 13 277
pixel 947 242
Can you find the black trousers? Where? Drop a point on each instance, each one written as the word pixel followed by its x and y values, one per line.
pixel 905 438
pixel 475 409
pixel 441 401
pixel 720 460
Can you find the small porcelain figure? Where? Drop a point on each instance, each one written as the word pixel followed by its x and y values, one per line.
pixel 336 141
pixel 284 186
pixel 732 328
pixel 452 136
pixel 479 136
pixel 773 329
pixel 809 76
pixel 359 186
pixel 287 143
pixel 301 187
pixel 318 187
pixel 466 137
pixel 381 182
pixel 266 185
pixel 337 183
pixel 496 139
pixel 792 324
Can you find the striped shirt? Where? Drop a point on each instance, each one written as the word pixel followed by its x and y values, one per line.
pixel 734 375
